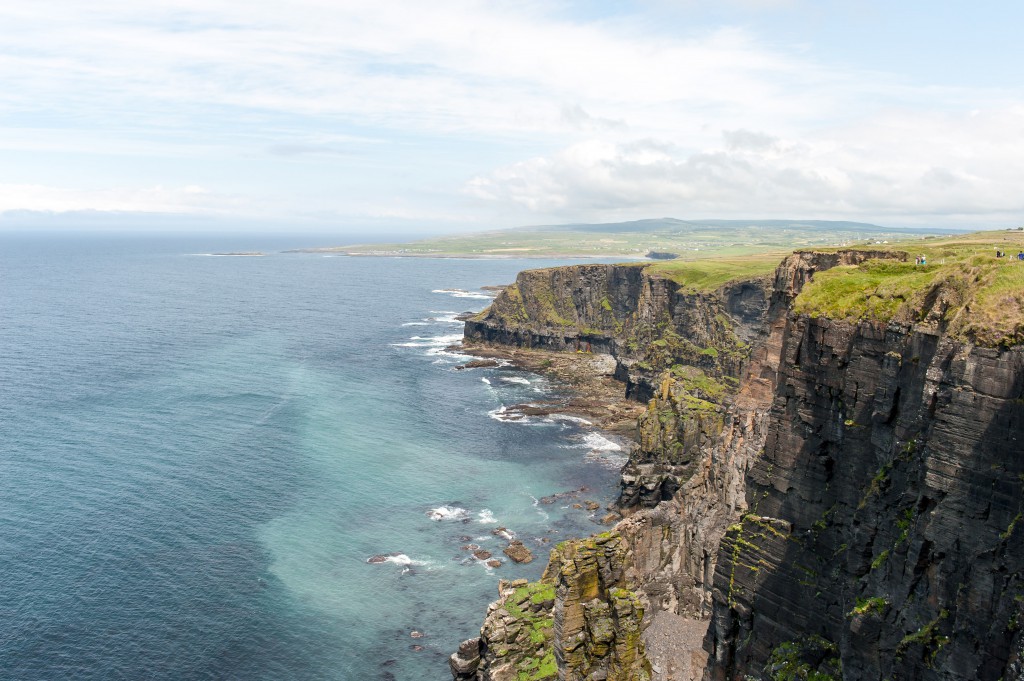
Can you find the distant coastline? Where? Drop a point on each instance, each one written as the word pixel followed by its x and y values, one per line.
pixel 460 256
pixel 687 240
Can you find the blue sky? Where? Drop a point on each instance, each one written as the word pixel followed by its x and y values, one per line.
pixel 335 115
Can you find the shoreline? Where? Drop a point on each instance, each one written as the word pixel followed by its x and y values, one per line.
pixel 593 394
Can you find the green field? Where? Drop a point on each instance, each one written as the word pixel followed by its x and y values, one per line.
pixel 713 271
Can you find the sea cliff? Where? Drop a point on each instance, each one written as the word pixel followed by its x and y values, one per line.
pixel 820 489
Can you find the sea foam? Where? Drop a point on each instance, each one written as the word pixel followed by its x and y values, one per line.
pixel 460 293
pixel 447 513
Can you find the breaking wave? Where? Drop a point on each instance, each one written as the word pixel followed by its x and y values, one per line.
pixel 447 513
pixel 461 293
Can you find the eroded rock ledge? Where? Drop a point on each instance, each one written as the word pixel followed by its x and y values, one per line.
pixel 837 498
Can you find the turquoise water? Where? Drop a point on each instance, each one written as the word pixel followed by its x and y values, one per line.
pixel 199 454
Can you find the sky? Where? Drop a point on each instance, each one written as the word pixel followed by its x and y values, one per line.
pixel 462 115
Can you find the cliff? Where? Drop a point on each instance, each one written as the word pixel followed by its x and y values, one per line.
pixel 828 471
pixel 647 322
pixel 882 513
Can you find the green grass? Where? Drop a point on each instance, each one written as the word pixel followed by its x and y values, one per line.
pixel 875 289
pixel 710 274
pixel 866 606
pixel 964 288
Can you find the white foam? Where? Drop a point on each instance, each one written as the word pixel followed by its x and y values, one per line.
pixel 435 346
pixel 599 443
pixel 609 460
pixel 416 324
pixel 430 341
pixel 404 560
pixel 515 379
pixel 500 414
pixel 446 317
pixel 570 419
pixel 486 516
pixel 460 293
pixel 536 504
pixel 485 381
pixel 447 513
pixel 228 255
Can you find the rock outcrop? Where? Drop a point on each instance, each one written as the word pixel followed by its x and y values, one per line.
pixel 837 498
pixel 580 621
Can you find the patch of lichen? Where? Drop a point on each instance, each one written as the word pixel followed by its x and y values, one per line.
pixel 549 307
pixel 661 346
pixel 538 668
pixel 508 305
pixel 696 382
pixel 928 637
pixel 527 631
pixel 523 601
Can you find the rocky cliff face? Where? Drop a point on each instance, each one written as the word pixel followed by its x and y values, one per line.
pixel 648 323
pixel 840 500
pixel 581 621
pixel 882 530
pixel 682 351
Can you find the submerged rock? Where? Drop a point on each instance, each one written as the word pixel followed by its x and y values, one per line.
pixel 478 364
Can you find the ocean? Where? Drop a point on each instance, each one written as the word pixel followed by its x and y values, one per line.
pixel 200 454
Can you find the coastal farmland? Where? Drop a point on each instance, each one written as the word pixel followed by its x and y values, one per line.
pixel 686 239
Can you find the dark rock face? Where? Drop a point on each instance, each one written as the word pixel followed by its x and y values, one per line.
pixel 884 511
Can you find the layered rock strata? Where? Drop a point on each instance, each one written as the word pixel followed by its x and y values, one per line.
pixel 882 514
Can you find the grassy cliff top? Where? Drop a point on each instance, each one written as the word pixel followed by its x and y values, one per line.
pixel 709 274
pixel 963 288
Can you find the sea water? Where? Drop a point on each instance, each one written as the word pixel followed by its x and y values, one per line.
pixel 199 455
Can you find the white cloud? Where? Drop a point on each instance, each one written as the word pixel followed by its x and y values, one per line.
pixel 903 167
pixel 432 66
pixel 713 121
